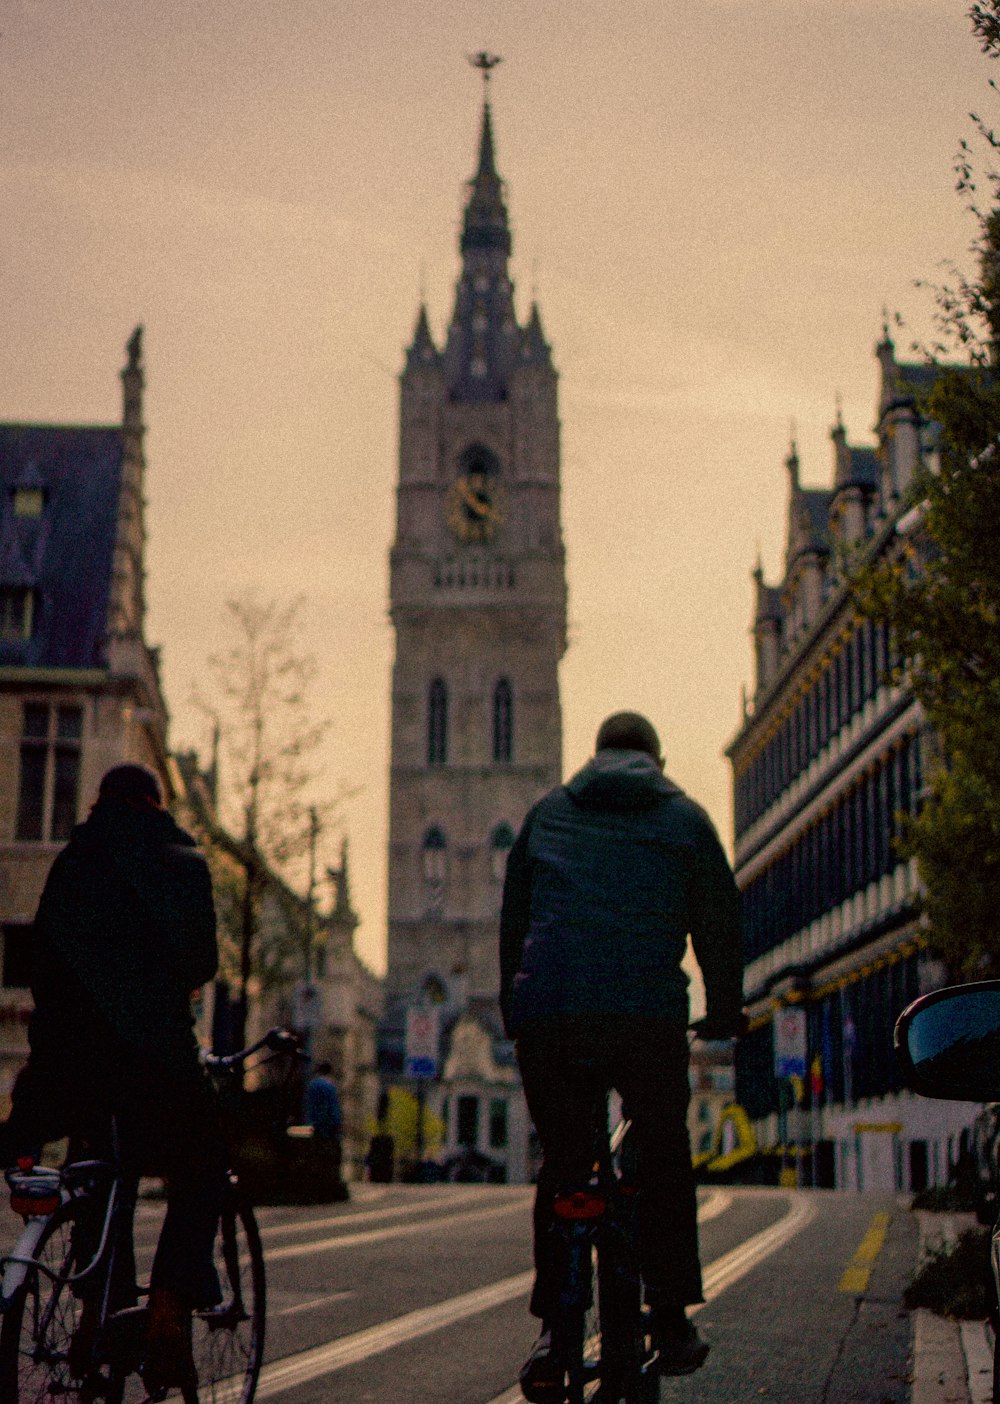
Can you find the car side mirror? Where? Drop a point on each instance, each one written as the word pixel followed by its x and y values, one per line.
pixel 948 1043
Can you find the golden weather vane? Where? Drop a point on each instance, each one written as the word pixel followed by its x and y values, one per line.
pixel 485 62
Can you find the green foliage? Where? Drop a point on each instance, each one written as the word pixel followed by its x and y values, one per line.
pixel 940 592
pixel 944 1199
pixel 955 1279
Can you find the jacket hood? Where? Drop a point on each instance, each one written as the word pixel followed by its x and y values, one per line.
pixel 125 825
pixel 620 780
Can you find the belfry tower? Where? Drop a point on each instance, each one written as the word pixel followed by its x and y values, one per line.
pixel 478 604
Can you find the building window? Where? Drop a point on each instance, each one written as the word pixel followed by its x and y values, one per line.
pixel 17 612
pixel 498 1123
pixel 501 842
pixel 503 723
pixel 28 501
pixel 49 786
pixel 16 956
pixel 437 723
pixel 467 1119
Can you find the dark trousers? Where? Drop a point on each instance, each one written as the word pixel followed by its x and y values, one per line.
pixel 567 1064
pixel 168 1125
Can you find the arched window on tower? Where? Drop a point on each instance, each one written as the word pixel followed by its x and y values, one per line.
pixel 435 865
pixel 437 723
pixel 501 842
pixel 503 722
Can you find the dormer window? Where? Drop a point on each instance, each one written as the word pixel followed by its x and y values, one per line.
pixel 29 502
pixel 17 612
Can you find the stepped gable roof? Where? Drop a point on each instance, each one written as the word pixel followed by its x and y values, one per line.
pixel 66 552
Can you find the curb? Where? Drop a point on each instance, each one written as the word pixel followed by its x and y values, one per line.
pixel 939 1367
pixel 952 1360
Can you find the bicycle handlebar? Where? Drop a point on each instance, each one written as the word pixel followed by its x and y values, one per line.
pixel 276 1040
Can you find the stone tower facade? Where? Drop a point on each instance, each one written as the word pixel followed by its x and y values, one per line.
pixel 478 605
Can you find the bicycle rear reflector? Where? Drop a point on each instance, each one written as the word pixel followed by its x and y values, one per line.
pixel 33 1194
pixel 579 1204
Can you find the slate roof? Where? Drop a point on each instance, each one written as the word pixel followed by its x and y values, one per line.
pixel 66 554
pixel 816 505
pixel 864 467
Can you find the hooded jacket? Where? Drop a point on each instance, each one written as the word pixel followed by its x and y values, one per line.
pixel 607 878
pixel 125 931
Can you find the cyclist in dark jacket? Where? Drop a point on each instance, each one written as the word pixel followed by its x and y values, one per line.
pixel 608 877
pixel 124 934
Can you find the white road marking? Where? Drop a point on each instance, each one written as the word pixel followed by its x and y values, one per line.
pixel 351 1240
pixel 714 1204
pixel 737 1263
pixel 397 1211
pixel 315 1302
pixel 350 1350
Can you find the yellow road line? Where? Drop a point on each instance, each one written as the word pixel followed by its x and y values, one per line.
pixel 855 1276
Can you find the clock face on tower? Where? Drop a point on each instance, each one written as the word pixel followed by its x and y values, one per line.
pixel 475 506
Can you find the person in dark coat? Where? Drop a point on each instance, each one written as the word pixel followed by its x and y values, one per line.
pixel 608 877
pixel 324 1115
pixel 124 934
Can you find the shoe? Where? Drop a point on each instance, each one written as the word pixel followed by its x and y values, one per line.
pixel 681 1349
pixel 169 1363
pixel 541 1377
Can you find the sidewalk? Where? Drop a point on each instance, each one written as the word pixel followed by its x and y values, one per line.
pixel 952 1360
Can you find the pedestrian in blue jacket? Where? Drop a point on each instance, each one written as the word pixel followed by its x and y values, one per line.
pixel 608 877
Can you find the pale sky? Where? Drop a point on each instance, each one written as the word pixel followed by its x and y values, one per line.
pixel 714 202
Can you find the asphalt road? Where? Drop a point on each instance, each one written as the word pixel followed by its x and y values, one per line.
pixel 418 1295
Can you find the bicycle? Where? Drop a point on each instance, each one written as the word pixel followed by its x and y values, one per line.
pixel 601 1330
pixel 77 1240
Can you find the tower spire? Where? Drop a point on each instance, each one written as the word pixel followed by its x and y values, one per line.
pixel 483 335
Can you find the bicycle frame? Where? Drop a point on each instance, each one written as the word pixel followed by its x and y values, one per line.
pixel 85 1211
pixel 16 1265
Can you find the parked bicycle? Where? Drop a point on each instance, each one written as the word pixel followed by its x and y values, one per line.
pixel 77 1244
pixel 601 1330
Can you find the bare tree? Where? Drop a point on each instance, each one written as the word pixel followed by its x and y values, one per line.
pixel 259 701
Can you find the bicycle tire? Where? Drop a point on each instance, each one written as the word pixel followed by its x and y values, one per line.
pixel 228 1340
pixel 579 1329
pixel 36 1330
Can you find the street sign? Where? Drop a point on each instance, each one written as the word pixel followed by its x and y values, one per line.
pixel 421 1053
pixel 790 1043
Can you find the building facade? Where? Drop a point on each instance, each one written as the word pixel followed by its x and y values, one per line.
pixel 79 686
pixel 831 754
pixel 478 605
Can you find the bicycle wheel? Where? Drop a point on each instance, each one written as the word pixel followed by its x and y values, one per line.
pixel 627 1374
pixel 36 1331
pixel 228 1340
pixel 579 1329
